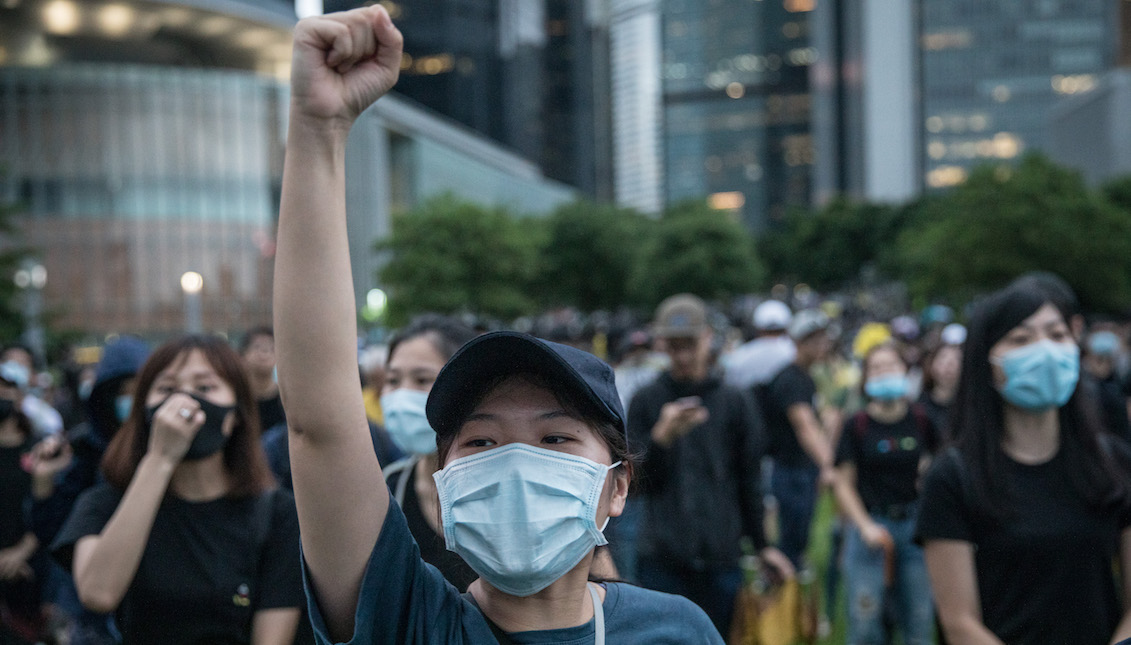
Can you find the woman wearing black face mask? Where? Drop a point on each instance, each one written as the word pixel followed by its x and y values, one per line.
pixel 186 541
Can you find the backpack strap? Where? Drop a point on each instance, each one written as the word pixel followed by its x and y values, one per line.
pixel 500 635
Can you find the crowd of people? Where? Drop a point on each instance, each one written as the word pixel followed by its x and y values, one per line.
pixel 460 485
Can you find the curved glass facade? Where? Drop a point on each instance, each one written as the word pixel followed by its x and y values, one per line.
pixel 128 176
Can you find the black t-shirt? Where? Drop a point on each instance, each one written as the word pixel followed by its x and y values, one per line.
pixel 432 547
pixel 939 414
pixel 15 494
pixel 200 579
pixel 271 412
pixel 792 385
pixel 1045 573
pixel 887 456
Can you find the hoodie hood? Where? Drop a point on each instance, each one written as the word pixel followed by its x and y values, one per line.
pixel 121 360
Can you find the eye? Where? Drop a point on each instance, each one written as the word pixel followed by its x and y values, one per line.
pixel 163 389
pixel 479 443
pixel 423 381
pixel 555 439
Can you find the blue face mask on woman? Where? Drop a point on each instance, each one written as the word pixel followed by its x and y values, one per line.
pixel 889 387
pixel 406 421
pixel 1040 375
pixel 521 516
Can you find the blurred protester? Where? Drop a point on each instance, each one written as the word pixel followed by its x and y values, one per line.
pixel 371 362
pixel 941 369
pixel 702 443
pixel 45 420
pixel 757 362
pixel 22 575
pixel 1022 519
pixel 187 542
pixel 416 355
pixel 1101 351
pixel 801 452
pixel 908 337
pixel 108 403
pixel 635 366
pixel 258 353
pixel 882 451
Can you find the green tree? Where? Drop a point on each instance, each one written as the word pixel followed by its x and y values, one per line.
pixel 589 254
pixel 830 247
pixel 450 256
pixel 699 250
pixel 1003 222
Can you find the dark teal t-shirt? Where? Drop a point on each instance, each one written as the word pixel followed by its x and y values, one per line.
pixel 406 601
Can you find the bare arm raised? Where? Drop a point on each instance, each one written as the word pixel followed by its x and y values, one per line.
pixel 342 63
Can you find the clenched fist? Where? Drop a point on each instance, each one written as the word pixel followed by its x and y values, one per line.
pixel 342 63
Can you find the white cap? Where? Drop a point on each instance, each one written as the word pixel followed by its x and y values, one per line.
pixel 953 334
pixel 772 315
pixel 806 323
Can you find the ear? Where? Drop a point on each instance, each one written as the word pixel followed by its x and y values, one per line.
pixel 622 477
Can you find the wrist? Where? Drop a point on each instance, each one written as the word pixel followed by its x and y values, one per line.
pixel 156 464
pixel 318 129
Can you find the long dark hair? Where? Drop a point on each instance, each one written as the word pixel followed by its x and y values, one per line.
pixel 977 417
pixel 446 334
pixel 243 456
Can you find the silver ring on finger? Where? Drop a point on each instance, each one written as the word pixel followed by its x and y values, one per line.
pixel 186 414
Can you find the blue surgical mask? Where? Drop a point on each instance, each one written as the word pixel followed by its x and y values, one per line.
pixel 521 516
pixel 1103 343
pixel 123 403
pixel 406 421
pixel 1040 375
pixel 887 388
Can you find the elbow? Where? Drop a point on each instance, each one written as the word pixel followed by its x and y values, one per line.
pixel 95 598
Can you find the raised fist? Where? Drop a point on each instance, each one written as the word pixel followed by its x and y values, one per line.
pixel 342 63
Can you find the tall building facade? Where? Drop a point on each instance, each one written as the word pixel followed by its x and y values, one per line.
pixel 736 105
pixel 866 113
pixel 530 74
pixel 991 72
pixel 141 141
pixel 637 106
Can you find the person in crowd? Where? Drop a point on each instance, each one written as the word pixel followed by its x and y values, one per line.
pixel 371 361
pixel 1101 350
pixel 941 369
pixel 44 419
pixel 257 349
pixel 757 362
pixel 1022 519
pixel 802 454
pixel 187 541
pixel 636 366
pixel 530 434
pixel 702 443
pixel 21 577
pixel 108 405
pixel 882 451
pixel 416 355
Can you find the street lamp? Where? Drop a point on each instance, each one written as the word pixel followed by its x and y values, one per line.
pixel 31 278
pixel 191 284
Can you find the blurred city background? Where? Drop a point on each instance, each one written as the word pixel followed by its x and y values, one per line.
pixel 540 154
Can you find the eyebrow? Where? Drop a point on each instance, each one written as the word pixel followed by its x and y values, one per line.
pixel 545 416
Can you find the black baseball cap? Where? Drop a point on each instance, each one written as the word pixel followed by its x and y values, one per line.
pixel 482 362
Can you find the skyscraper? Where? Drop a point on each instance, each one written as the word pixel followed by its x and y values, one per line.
pixel 736 104
pixel 991 71
pixel 634 35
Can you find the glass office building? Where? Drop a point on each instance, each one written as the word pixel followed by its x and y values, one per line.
pixel 991 71
pixel 736 105
pixel 143 140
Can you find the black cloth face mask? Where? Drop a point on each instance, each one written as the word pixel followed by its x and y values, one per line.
pixel 7 409
pixel 210 439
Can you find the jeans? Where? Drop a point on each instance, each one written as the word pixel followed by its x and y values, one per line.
pixel 714 590
pixel 795 489
pixel 910 594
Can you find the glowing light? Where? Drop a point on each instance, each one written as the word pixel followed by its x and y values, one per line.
pixel 1001 94
pixel 116 19
pixel 254 38
pixel 736 90
pixel 934 124
pixel 176 17
pixel 731 201
pixel 1006 145
pixel 945 176
pixel 213 26
pixel 936 149
pixel 61 17
pixel 1073 84
pixel 800 6
pixel 192 282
